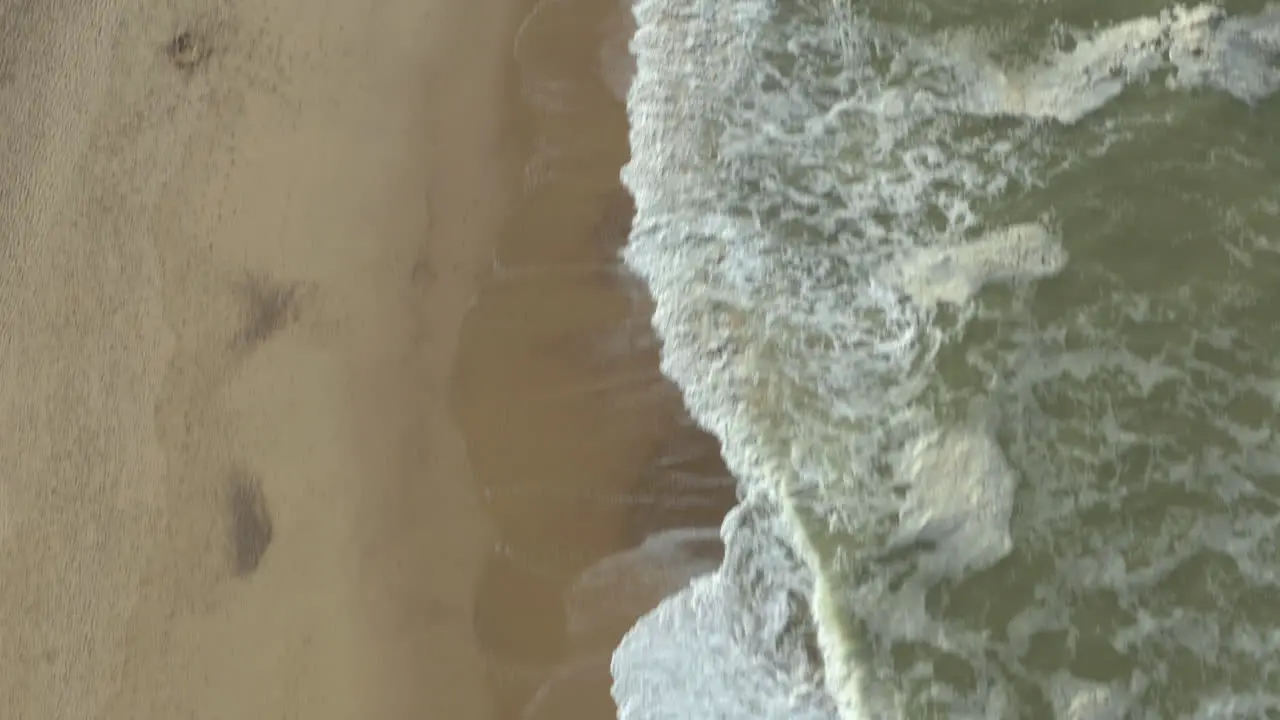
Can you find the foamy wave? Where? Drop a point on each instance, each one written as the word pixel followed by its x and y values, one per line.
pixel 736 644
pixel 1239 55
pixel 1198 45
pixel 804 176
pixel 955 272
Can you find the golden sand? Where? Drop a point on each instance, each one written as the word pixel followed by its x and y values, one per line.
pixel 238 242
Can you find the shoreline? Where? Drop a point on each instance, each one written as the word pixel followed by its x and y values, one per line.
pixel 582 449
pixel 244 239
pixel 310 318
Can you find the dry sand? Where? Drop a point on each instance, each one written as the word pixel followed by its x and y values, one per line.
pixel 238 241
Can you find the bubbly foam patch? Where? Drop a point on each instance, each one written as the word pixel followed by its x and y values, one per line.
pixel 1238 55
pixel 959 500
pixel 1203 48
pixel 1075 699
pixel 1066 86
pixel 954 272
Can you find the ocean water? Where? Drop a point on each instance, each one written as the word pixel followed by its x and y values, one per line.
pixel 982 300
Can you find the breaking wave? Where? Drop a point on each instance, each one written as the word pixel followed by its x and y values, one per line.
pixel 978 310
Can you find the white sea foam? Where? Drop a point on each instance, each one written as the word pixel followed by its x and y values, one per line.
pixel 1203 47
pixel 959 499
pixel 953 271
pixel 792 168
pixel 1238 55
pixel 733 645
pixel 1075 699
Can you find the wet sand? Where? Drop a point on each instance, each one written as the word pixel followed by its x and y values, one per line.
pixel 239 239
pixel 580 448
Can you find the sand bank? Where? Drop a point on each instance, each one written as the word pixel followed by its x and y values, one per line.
pixel 239 239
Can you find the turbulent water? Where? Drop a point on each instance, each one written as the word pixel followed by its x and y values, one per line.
pixel 982 300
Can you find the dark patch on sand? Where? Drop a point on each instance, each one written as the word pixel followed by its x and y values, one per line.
pixel 213 44
pixel 269 307
pixel 250 524
pixel 421 273
pixel 189 49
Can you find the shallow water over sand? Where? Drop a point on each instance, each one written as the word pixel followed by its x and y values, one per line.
pixel 606 497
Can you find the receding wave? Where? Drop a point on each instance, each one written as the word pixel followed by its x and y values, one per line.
pixel 979 312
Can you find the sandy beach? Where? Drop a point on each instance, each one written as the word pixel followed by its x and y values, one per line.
pixel 238 241
pixel 321 382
